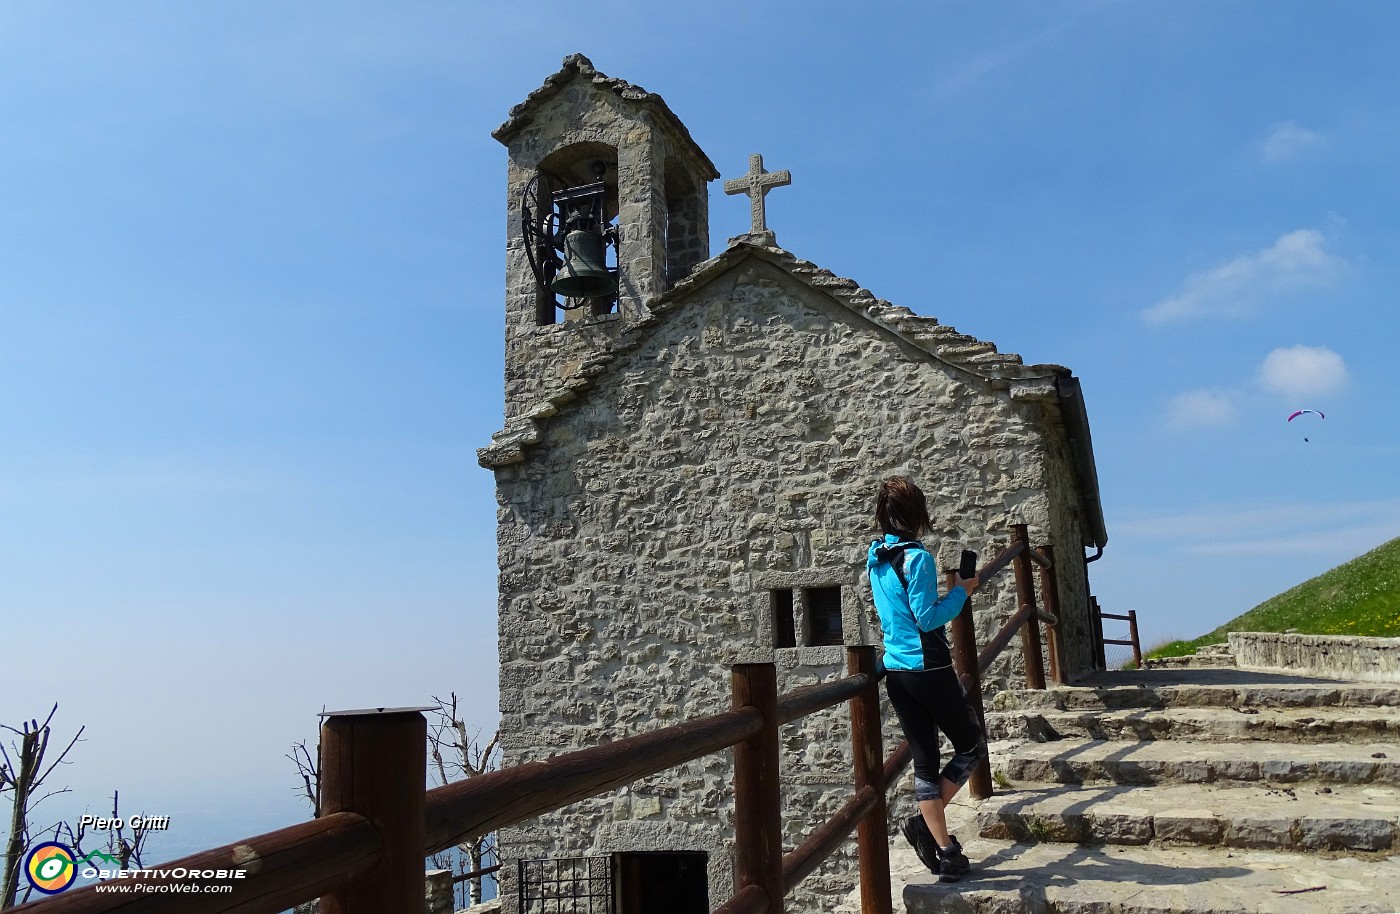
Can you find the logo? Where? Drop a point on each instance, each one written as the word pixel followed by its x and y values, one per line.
pixel 52 867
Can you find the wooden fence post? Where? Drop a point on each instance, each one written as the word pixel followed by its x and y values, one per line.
pixel 757 798
pixel 1100 655
pixel 964 637
pixel 868 752
pixel 374 763
pixel 1133 634
pixel 1050 595
pixel 1025 596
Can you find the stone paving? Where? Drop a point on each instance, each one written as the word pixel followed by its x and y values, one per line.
pixel 1220 791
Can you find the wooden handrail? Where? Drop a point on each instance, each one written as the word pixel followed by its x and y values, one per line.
pixel 996 565
pixel 285 867
pixel 798 864
pixel 748 900
pixel 898 760
pixel 480 805
pixel 345 846
pixel 474 874
pixel 1009 629
pixel 801 702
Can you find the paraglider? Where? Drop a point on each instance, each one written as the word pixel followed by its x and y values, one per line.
pixel 1300 412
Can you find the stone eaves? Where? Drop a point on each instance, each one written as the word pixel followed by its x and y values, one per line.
pixel 941 343
pixel 576 65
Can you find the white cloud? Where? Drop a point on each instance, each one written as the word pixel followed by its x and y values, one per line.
pixel 1234 288
pixel 1303 371
pixel 1240 520
pixel 994 60
pixel 1345 541
pixel 1287 140
pixel 1339 530
pixel 1200 408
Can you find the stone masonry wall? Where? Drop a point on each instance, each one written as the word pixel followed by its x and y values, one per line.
pixel 1328 656
pixel 687 222
pixel 735 451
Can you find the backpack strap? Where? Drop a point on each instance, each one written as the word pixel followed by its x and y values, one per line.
pixel 894 554
pixel 897 563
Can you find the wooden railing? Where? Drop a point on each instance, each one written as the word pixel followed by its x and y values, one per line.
pixel 1099 640
pixel 364 853
pixel 972 663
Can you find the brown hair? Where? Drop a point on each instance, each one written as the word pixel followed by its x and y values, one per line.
pixel 900 508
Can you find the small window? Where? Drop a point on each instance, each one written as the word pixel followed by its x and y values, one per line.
pixel 823 615
pixel 784 623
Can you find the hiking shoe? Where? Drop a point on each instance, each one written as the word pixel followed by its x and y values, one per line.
pixel 952 862
pixel 916 832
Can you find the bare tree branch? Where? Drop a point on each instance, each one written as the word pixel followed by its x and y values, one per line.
pixel 126 851
pixel 62 755
pixel 24 778
pixel 51 793
pixel 310 774
pixel 455 750
pixel 25 773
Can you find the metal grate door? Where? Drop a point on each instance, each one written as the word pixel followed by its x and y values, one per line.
pixel 566 885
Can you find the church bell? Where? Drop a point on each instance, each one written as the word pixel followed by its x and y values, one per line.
pixel 584 272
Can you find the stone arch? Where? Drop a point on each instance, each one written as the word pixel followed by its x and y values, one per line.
pixel 575 165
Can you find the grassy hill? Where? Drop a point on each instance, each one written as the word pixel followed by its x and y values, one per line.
pixel 1361 597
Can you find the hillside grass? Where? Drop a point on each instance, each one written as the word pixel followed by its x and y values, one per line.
pixel 1361 597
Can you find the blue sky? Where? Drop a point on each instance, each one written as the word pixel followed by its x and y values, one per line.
pixel 251 279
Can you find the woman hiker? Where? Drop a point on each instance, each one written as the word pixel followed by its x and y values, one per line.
pixel 920 680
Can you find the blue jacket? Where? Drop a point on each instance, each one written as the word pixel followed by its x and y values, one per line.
pixel 913 618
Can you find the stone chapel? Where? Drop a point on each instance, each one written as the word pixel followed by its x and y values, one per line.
pixel 685 480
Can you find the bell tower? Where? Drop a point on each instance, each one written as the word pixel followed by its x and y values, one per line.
pixel 608 208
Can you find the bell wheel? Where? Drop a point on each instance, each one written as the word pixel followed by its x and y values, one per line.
pixel 539 226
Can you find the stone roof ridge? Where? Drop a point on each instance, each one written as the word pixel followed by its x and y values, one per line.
pixel 939 340
pixel 579 65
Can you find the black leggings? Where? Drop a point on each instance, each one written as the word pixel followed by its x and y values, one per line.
pixel 927 702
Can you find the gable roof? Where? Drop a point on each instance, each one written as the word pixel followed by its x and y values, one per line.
pixel 576 65
pixel 939 342
pixel 1054 386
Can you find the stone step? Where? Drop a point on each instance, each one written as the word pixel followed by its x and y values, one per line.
pixel 1192 661
pixel 1301 725
pixel 1193 762
pixel 1068 879
pixel 1306 694
pixel 1302 818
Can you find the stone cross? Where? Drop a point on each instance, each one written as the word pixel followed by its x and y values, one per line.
pixel 756 184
